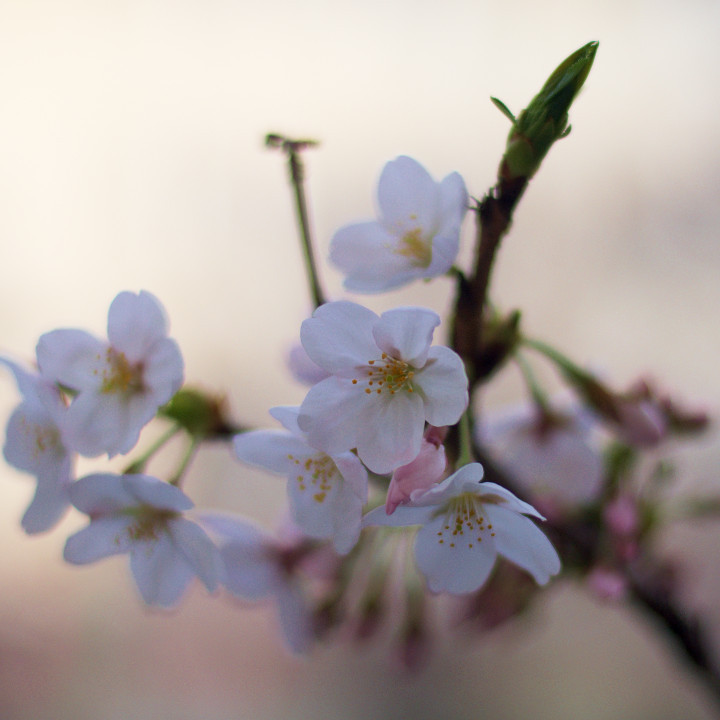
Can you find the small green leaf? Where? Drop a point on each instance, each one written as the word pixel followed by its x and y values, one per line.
pixel 503 108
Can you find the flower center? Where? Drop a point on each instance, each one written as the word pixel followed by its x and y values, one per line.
pixel 464 522
pixel 44 438
pixel 316 474
pixel 149 522
pixel 415 248
pixel 387 375
pixel 119 376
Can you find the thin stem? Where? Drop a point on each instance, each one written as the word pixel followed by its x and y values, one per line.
pixel 538 396
pixel 293 149
pixel 185 461
pixel 138 465
pixel 562 361
pixel 466 455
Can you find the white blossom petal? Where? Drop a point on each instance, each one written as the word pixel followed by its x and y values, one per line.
pixel 33 443
pixel 92 426
pixel 523 543
pixel 100 494
pixel 325 507
pixel 466 479
pixel 366 253
pixel 389 432
pixel 198 550
pixel 287 416
pixel 408 196
pixel 161 574
pixel 148 490
pixel 269 449
pixel 454 565
pixel 338 336
pixel 406 333
pixel 354 474
pixel 50 502
pixel 328 415
pixel 163 371
pixel 136 323
pixel 71 358
pixel 444 385
pixel 404 516
pixel 302 368
pixel 100 539
pixel 507 499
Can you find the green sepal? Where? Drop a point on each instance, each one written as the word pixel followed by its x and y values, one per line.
pixel 504 109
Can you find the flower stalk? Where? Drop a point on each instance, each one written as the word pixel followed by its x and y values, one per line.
pixel 293 150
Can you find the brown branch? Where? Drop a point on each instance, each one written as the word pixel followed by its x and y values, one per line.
pixel 494 217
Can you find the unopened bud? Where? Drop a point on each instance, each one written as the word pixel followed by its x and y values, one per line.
pixel 545 120
pixel 201 415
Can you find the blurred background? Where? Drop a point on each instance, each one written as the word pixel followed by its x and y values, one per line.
pixel 131 157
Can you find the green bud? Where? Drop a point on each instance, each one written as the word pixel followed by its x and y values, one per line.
pixel 200 415
pixel 545 120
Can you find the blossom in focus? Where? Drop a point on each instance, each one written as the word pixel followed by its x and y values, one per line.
pixel 466 524
pixel 551 455
pixel 418 475
pixel 417 234
pixel 34 443
pixel 386 382
pixel 143 516
pixel 119 384
pixel 327 493
pixel 256 567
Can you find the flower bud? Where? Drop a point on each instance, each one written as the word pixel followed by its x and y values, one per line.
pixel 607 584
pixel 420 474
pixel 545 120
pixel 201 415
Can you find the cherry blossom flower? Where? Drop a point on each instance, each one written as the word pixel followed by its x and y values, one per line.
pixel 257 566
pixel 386 382
pixel 551 455
pixel 35 444
pixel 327 493
pixel 143 516
pixel 120 384
pixel 466 524
pixel 417 234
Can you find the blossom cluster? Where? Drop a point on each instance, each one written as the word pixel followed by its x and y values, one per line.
pixel 381 458
pixel 90 397
pixel 382 399
pixel 402 485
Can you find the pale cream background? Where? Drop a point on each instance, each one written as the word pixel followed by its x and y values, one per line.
pixel 131 157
